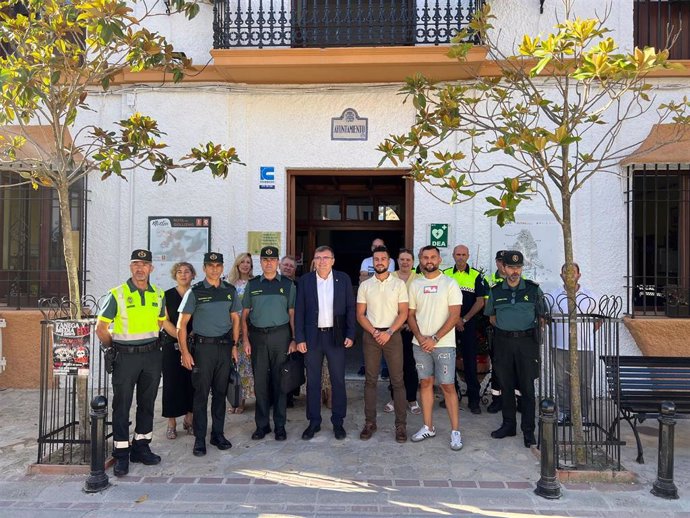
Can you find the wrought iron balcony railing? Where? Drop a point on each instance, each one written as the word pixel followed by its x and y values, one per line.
pixel 338 23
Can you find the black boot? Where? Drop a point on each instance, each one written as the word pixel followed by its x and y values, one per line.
pixel 141 452
pixel 121 456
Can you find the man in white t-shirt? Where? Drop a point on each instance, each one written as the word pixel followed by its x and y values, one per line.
pixel 435 303
pixel 366 269
pixel 587 325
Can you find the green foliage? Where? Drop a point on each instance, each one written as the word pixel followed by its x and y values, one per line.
pixel 531 122
pixel 62 50
pixel 58 51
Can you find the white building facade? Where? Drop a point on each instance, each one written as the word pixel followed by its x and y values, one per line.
pixel 303 186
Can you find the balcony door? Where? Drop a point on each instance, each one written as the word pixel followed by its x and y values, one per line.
pixel 353 23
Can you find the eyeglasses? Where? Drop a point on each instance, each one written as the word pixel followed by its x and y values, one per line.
pixel 323 258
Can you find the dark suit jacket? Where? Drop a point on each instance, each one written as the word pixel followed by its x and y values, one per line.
pixel 307 308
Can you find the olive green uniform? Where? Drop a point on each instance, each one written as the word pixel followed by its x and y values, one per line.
pixel 269 302
pixel 516 348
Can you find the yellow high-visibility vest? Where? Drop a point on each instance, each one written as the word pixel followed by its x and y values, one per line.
pixel 135 321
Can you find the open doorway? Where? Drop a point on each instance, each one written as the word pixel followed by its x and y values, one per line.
pixel 347 210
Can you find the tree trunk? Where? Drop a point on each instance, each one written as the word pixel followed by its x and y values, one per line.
pixel 70 260
pixel 571 293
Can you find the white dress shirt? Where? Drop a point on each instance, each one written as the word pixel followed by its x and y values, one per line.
pixel 324 289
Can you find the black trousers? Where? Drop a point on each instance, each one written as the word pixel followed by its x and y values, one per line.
pixel 410 377
pixel 325 346
pixel 269 352
pixel 517 364
pixel 466 345
pixel 143 372
pixel 210 373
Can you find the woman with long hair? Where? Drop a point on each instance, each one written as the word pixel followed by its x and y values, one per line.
pixel 240 273
pixel 177 381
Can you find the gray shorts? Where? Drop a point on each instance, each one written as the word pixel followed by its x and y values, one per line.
pixel 439 363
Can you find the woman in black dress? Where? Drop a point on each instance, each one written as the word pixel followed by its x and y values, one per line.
pixel 177 381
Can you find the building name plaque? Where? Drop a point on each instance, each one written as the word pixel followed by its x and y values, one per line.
pixel 349 126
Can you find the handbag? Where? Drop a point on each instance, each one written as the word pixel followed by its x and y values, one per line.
pixel 234 386
pixel 292 372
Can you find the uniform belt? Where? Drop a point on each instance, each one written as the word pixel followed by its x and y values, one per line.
pixel 269 329
pixel 212 340
pixel 325 329
pixel 514 334
pixel 132 349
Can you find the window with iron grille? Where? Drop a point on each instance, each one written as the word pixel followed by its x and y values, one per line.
pixel 659 242
pixel 653 19
pixel 32 264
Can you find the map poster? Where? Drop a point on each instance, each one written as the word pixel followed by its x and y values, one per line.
pixel 539 239
pixel 71 347
pixel 258 240
pixel 173 239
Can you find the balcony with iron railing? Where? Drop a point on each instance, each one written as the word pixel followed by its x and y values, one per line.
pixel 339 41
pixel 338 23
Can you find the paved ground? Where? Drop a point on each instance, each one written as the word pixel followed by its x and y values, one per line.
pixel 325 477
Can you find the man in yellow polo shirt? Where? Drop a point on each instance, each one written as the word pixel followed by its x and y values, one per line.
pixel 382 311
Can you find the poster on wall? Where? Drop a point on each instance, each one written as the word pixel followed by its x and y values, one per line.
pixel 173 239
pixel 258 240
pixel 71 347
pixel 539 239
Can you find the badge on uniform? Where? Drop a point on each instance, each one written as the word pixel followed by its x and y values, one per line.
pixel 430 289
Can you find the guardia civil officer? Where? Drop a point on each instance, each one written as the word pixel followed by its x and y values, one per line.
pixel 515 307
pixel 215 306
pixel 268 323
pixel 471 284
pixel 136 310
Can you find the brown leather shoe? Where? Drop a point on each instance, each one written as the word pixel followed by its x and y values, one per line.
pixel 367 431
pixel 400 433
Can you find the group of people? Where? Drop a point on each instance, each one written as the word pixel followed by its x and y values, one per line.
pixel 414 319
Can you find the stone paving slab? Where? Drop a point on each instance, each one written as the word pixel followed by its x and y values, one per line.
pixel 325 477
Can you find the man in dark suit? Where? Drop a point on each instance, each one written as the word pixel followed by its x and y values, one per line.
pixel 325 325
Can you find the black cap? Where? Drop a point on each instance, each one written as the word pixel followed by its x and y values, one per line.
pixel 213 257
pixel 500 254
pixel 513 258
pixel 141 255
pixel 269 252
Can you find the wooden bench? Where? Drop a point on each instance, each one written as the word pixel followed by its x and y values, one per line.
pixel 639 384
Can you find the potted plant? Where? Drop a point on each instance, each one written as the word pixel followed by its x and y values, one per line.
pixel 677 301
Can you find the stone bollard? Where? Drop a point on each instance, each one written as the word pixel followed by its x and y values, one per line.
pixel 548 485
pixel 98 480
pixel 663 485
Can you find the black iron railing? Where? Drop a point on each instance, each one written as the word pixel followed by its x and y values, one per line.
pixel 656 20
pixel 598 326
pixel 338 23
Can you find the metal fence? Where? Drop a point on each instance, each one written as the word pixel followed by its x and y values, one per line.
pixel 63 423
pixel 598 329
pixel 338 23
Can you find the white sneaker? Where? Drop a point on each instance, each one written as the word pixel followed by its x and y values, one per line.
pixel 390 407
pixel 424 433
pixel 455 440
pixel 414 408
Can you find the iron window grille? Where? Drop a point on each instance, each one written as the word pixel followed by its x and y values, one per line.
pixel 658 204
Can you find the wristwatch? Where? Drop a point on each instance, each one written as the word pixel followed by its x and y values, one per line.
pixel 389 332
pixel 464 321
pixel 434 338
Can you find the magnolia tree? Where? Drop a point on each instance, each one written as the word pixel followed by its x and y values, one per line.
pixel 53 54
pixel 543 126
